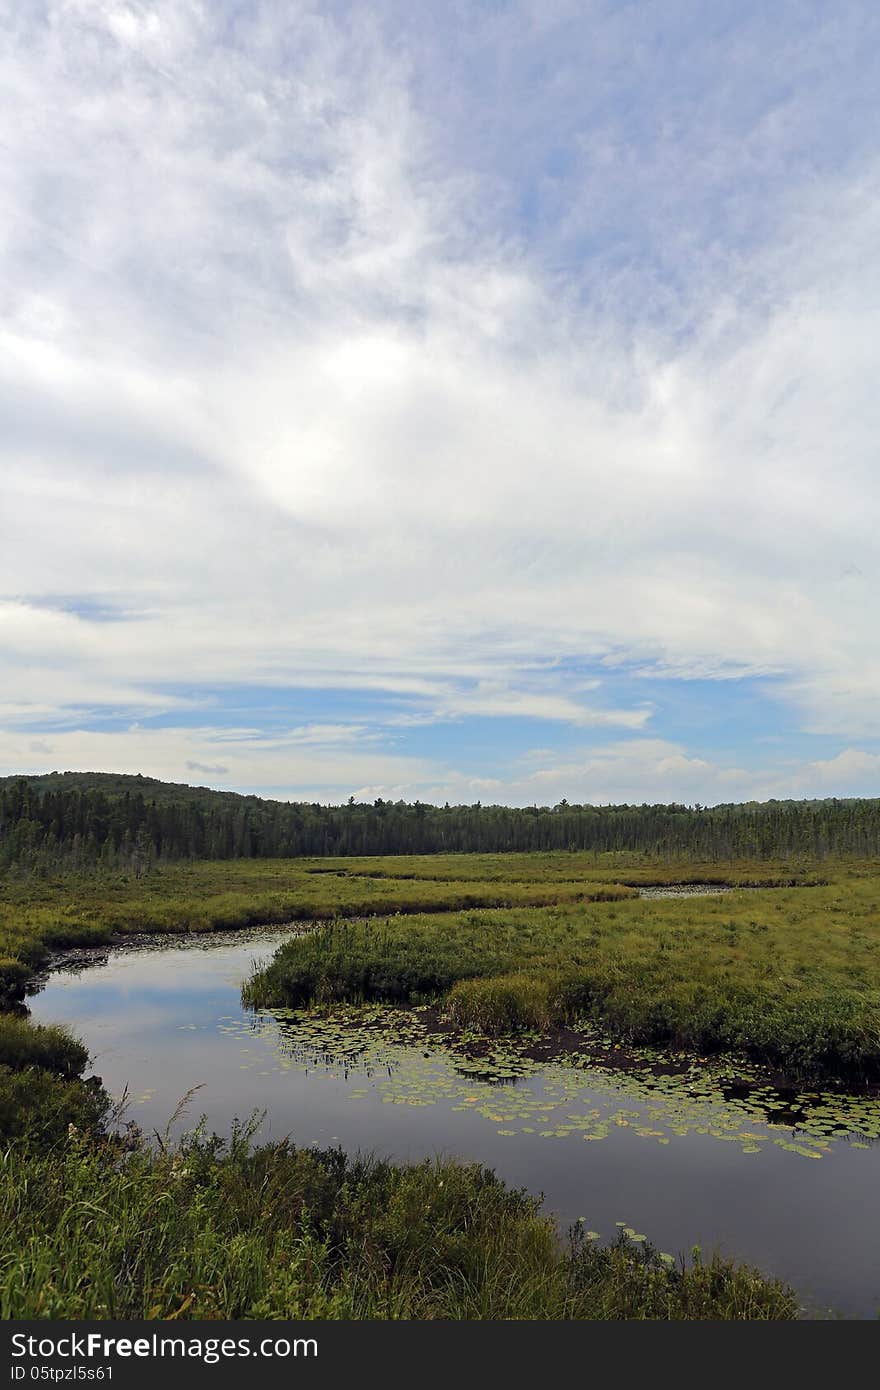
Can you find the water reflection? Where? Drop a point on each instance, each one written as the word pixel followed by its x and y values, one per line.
pixel 689 1155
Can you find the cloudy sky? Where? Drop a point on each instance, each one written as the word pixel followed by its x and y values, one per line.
pixel 468 401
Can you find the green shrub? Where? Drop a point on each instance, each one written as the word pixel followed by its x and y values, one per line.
pixel 38 1108
pixel 630 1280
pixel 41 1088
pixel 24 1044
pixel 14 975
pixel 396 960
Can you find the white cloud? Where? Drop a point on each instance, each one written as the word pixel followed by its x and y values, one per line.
pixel 641 770
pixel 853 768
pixel 494 699
pixel 302 764
pixel 311 763
pixel 638 770
pixel 282 376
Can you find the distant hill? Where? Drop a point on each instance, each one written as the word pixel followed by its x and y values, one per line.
pixel 116 784
pixel 84 818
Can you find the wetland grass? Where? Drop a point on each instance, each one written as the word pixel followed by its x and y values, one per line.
pixel 783 977
pixel 94 1225
pixel 38 915
pixel 208 1231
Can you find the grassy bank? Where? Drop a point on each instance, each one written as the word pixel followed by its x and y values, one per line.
pixel 37 915
pixel 787 977
pixel 91 1228
pixel 94 1225
pixel 790 976
pixel 619 866
pixel 283 1233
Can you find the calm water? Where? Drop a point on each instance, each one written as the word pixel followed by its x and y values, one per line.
pixel 683 1161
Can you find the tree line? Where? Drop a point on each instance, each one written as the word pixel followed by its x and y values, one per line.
pixel 78 821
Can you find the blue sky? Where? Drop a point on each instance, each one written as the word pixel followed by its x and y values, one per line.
pixel 467 402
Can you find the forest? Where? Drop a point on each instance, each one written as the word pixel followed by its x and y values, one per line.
pixel 79 820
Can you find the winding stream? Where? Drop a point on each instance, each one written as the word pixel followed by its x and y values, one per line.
pixel 786 1181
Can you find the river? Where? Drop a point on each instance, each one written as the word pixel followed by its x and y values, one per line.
pixel 684 1159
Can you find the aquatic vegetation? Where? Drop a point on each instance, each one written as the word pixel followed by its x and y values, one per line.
pixel 204 1230
pixel 783 977
pixel 401 1056
pixel 38 915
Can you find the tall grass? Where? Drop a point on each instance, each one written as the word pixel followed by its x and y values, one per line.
pixel 37 916
pixel 280 1232
pixel 41 1088
pixel 787 979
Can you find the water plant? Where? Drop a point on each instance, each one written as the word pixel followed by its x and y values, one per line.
pixel 214 1230
pixel 783 977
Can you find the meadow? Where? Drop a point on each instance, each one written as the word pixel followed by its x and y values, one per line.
pixel 787 976
pixel 97 1222
pixel 39 914
pixel 785 973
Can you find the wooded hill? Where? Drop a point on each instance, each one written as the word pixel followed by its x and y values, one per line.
pixel 76 820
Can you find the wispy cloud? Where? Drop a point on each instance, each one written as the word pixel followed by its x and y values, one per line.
pixel 329 765
pixel 496 700
pixel 378 350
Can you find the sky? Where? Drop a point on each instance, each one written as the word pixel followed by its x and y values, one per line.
pixel 467 402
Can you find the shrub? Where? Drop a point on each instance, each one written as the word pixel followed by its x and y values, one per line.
pixel 37 1108
pixel 501 1003
pixel 14 975
pixel 51 1048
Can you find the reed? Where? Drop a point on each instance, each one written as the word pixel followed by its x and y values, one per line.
pixel 786 977
pixel 211 1231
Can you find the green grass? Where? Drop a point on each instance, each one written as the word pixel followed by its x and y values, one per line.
pixel 556 866
pixel 94 1226
pixel 788 977
pixel 37 915
pixel 41 1090
pixel 280 1232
